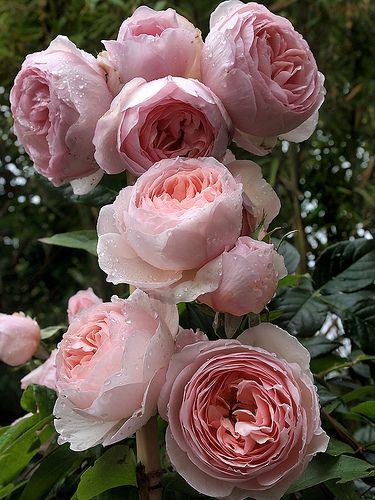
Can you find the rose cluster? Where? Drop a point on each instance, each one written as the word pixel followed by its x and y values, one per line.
pixel 191 224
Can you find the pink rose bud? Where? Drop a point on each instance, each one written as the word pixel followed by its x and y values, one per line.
pixel 243 414
pixel 164 233
pixel 153 44
pixel 261 203
pixel 264 73
pixel 251 271
pixel 19 338
pixel 111 365
pixel 45 374
pixel 166 118
pixel 81 300
pixel 57 99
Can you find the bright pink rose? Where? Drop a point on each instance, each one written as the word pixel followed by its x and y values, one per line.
pixel 111 365
pixel 164 234
pixel 45 374
pixel 153 44
pixel 81 300
pixel 251 271
pixel 264 73
pixel 261 203
pixel 166 118
pixel 243 414
pixel 57 99
pixel 19 338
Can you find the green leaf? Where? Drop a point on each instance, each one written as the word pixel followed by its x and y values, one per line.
pixel 116 467
pixel 345 267
pixel 84 240
pixel 359 324
pixel 337 447
pixel 324 468
pixel 10 488
pixel 289 280
pixel 57 464
pixel 343 491
pixel 366 409
pixel 290 254
pixel 51 331
pixel 319 345
pixel 38 397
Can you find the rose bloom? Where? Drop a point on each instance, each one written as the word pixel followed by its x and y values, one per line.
pixel 19 338
pixel 45 374
pixel 111 365
pixel 57 99
pixel 264 73
pixel 165 234
pixel 81 300
pixel 166 118
pixel 152 44
pixel 243 414
pixel 250 273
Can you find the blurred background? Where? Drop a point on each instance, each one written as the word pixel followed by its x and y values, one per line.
pixel 325 184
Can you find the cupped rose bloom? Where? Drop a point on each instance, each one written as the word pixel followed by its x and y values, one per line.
pixel 45 374
pixel 57 99
pixel 111 365
pixel 165 234
pixel 265 74
pixel 19 338
pixel 243 414
pixel 81 300
pixel 152 44
pixel 250 273
pixel 166 118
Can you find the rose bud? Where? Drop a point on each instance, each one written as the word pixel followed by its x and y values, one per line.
pixel 152 44
pixel 81 300
pixel 19 338
pixel 45 374
pixel 164 234
pixel 264 73
pixel 166 118
pixel 111 365
pixel 57 99
pixel 250 273
pixel 243 414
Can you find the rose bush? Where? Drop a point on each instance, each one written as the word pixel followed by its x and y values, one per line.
pixel 243 414
pixel 264 73
pixel 19 338
pixel 164 234
pixel 166 118
pixel 111 365
pixel 250 273
pixel 57 99
pixel 152 44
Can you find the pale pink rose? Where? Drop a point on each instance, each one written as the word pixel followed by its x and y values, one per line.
pixel 45 374
pixel 188 336
pixel 111 365
pixel 250 273
pixel 264 73
pixel 57 99
pixel 153 44
pixel 166 118
pixel 261 203
pixel 243 414
pixel 81 300
pixel 19 338
pixel 165 234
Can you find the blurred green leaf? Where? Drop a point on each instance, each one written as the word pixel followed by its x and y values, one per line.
pixel 51 331
pixel 366 409
pixel 84 240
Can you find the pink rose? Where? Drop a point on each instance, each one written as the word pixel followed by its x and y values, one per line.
pixel 153 44
pixel 81 300
pixel 57 99
pixel 45 374
pixel 264 73
pixel 243 414
pixel 250 272
pixel 166 118
pixel 111 365
pixel 164 234
pixel 19 338
pixel 261 203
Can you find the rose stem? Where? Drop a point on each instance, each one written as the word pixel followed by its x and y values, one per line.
pixel 148 456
